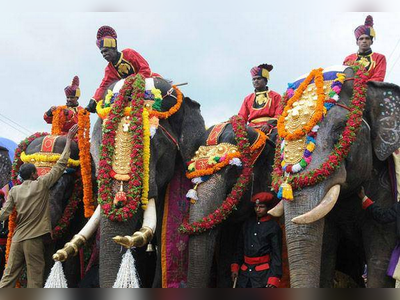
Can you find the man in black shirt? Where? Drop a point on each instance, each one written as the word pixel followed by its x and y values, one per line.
pixel 259 253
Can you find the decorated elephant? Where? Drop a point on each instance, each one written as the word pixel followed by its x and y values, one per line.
pixel 5 161
pixel 210 240
pixel 66 207
pixel 174 131
pixel 349 127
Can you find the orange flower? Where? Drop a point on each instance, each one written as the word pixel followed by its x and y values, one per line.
pixel 318 77
pixel 11 228
pixel 85 160
pixel 58 120
pixel 172 110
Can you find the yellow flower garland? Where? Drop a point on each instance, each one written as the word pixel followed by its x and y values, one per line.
pixel 104 111
pixel 53 158
pixel 146 158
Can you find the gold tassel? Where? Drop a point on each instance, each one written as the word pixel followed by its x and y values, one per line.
pixel 287 191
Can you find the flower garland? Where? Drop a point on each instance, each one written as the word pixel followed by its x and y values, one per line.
pixel 52 158
pixel 85 160
pixel 14 177
pixel 146 158
pixel 133 86
pixel 318 77
pixel 336 88
pixel 222 162
pixel 58 120
pixel 230 203
pixel 104 110
pixel 172 110
pixel 341 148
pixel 69 211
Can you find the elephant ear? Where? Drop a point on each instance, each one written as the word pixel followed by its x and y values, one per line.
pixel 383 106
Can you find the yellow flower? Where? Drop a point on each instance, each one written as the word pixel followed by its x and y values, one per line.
pixel 146 158
pixel 108 96
pixel 157 93
pixel 311 146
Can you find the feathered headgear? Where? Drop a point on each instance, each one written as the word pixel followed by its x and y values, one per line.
pixel 367 28
pixel 106 37
pixel 73 89
pixel 262 71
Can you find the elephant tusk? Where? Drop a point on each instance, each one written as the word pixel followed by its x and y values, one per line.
pixel 322 209
pixel 72 247
pixel 145 234
pixel 277 210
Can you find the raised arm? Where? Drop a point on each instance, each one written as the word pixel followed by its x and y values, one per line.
pixel 50 178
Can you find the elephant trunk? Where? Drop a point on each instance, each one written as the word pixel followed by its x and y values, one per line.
pixel 111 253
pixel 304 241
pixel 202 247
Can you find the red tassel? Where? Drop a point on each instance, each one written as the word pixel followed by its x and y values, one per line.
pixel 120 197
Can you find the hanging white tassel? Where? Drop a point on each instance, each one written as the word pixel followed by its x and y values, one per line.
pixel 192 194
pixel 56 279
pixel 153 131
pixel 127 276
pixel 197 180
pixel 315 128
pixel 235 162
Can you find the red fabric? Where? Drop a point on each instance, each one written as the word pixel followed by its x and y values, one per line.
pixel 262 267
pixel 3 241
pixel 263 197
pixel 265 218
pixel 367 203
pixel 274 281
pixel 249 113
pixel 70 120
pixel 111 74
pixel 234 268
pixel 377 72
pixel 256 260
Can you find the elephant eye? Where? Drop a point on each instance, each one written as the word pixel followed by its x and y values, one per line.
pixel 337 131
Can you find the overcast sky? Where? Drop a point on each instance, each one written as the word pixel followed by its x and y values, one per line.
pixel 213 51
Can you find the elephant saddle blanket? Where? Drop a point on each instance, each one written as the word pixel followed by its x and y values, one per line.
pixel 214 155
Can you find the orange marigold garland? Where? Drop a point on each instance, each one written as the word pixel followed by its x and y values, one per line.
pixel 318 77
pixel 85 160
pixel 11 228
pixel 58 120
pixel 172 110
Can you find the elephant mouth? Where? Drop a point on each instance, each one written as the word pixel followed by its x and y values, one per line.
pixel 317 213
